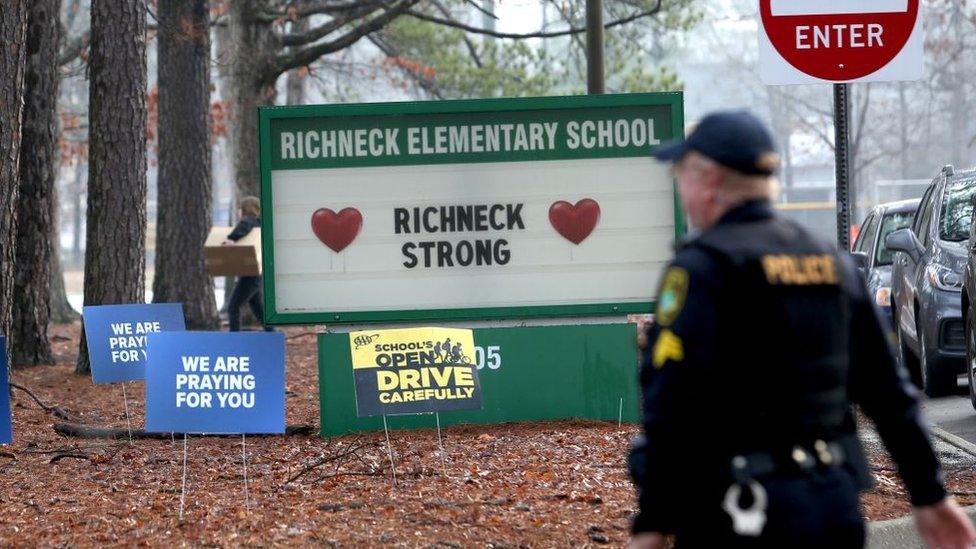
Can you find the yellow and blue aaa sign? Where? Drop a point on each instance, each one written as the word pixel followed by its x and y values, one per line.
pixel 414 371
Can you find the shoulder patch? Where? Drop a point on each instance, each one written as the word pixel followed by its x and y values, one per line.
pixel 671 299
pixel 668 347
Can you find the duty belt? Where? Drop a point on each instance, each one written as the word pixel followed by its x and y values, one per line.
pixel 801 458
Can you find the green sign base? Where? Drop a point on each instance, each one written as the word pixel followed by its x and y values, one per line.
pixel 526 374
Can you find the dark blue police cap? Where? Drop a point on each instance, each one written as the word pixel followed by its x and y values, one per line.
pixel 735 139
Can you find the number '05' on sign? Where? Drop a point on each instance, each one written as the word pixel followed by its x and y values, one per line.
pixel 492 357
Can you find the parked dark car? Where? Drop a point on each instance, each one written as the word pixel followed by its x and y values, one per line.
pixel 968 311
pixel 871 254
pixel 926 283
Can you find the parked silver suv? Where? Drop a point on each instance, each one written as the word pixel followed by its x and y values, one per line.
pixel 927 279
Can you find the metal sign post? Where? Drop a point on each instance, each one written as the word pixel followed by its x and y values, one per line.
pixel 247 494
pixel 842 154
pixel 128 423
pixel 440 443
pixel 594 46
pixel 183 485
pixel 389 449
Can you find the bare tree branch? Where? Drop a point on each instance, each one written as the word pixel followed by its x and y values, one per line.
pixel 309 54
pixel 152 14
pixel 515 36
pixel 865 163
pixel 567 17
pixel 816 129
pixel 481 8
pixel 805 104
pixel 472 50
pixel 56 410
pixel 356 446
pixel 391 52
pixel 865 104
pixel 304 8
pixel 325 29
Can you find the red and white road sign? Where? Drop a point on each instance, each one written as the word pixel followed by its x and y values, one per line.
pixel 811 41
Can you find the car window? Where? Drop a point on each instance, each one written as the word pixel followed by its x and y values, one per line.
pixel 917 223
pixel 957 209
pixel 865 225
pixel 923 221
pixel 869 231
pixel 889 224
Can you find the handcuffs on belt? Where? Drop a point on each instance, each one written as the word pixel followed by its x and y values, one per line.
pixel 751 521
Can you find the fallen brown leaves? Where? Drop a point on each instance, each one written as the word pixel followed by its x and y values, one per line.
pixel 537 484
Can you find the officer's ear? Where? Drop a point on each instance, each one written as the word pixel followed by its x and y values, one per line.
pixel 713 178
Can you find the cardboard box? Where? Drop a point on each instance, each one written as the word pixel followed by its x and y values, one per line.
pixel 243 258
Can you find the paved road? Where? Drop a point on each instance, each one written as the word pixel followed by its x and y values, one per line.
pixel 954 414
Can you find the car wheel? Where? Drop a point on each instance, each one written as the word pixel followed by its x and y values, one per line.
pixel 971 356
pixel 935 382
pixel 908 360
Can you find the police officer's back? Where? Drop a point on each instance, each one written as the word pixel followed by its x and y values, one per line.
pixel 762 338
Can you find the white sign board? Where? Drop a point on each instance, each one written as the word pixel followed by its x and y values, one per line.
pixel 537 210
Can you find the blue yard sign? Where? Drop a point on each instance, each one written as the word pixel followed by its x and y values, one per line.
pixel 6 430
pixel 216 382
pixel 117 336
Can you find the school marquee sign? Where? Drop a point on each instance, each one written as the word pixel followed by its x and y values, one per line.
pixel 466 209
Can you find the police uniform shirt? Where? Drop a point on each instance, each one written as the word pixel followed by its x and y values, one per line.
pixel 762 338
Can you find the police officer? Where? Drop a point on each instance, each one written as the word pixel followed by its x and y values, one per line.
pixel 763 337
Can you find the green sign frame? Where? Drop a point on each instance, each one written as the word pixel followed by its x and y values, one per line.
pixel 668 105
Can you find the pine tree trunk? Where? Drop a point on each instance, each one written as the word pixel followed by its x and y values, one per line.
pixel 185 183
pixel 115 258
pixel 13 29
pixel 37 206
pixel 252 85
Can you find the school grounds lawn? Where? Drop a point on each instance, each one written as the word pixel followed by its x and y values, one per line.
pixel 536 484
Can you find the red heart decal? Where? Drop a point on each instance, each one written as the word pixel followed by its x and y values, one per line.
pixel 337 230
pixel 575 223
